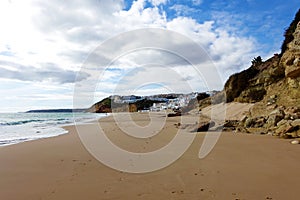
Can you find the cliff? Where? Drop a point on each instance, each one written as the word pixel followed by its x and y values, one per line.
pixel 274 87
pixel 103 106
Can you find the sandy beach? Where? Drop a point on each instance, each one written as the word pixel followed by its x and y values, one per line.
pixel 149 100
pixel 240 166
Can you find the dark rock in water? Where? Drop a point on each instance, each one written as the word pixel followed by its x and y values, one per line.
pixel 204 126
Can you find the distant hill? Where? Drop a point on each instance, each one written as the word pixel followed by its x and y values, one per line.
pixel 107 105
pixel 132 103
pixel 57 111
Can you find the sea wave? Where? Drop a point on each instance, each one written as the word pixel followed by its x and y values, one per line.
pixel 20 127
pixel 20 122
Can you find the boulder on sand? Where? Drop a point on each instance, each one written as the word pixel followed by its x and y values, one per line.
pixel 202 127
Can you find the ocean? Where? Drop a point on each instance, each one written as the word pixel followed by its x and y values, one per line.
pixel 21 127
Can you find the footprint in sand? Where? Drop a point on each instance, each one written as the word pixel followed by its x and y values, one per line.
pixel 179 192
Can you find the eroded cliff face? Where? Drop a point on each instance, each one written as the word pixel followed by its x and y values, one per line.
pixel 287 90
pixel 291 59
pixel 279 76
pixel 251 85
pixel 274 87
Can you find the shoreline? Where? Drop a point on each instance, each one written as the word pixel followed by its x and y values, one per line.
pixel 59 130
pixel 240 166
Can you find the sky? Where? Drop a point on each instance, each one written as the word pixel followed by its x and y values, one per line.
pixel 102 47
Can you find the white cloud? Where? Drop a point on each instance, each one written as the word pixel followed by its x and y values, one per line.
pixel 201 33
pixel 139 17
pixel 183 9
pixel 197 2
pixel 36 32
pixel 158 2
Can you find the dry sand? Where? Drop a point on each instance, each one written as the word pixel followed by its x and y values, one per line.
pixel 233 111
pixel 241 166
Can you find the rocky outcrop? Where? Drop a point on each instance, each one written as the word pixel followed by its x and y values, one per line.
pixel 103 106
pixel 291 59
pixel 250 86
pixel 277 75
pixel 282 122
pixel 107 105
pixel 197 102
pixel 289 33
pixel 274 87
pixel 238 83
pixel 204 126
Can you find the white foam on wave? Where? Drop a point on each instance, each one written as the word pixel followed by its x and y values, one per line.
pixel 21 127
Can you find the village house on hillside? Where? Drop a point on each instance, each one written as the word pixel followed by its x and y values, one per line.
pixel 176 103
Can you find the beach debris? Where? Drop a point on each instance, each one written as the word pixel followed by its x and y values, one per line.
pixel 295 142
pixel 177 125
